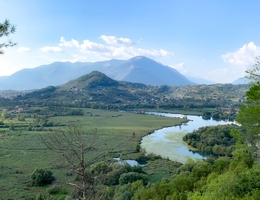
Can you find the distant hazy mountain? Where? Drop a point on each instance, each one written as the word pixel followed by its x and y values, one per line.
pixel 241 81
pixel 200 81
pixel 144 70
pixel 54 74
pixel 138 70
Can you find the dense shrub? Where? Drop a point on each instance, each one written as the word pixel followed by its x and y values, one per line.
pixel 131 177
pixel 42 177
pixel 44 196
pixel 57 189
pixel 212 140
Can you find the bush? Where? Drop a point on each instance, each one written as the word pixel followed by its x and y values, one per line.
pixel 131 177
pixel 44 196
pixel 42 177
pixel 57 189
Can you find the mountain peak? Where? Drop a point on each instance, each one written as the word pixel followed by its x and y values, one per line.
pixel 140 58
pixel 93 79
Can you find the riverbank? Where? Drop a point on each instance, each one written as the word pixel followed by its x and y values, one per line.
pixel 168 142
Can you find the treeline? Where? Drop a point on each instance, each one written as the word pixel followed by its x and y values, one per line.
pixel 236 178
pixel 223 178
pixel 52 111
pixel 59 108
pixel 219 115
pixel 109 175
pixel 212 140
pixel 146 97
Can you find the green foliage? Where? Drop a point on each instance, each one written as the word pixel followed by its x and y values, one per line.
pixel 122 192
pixel 215 140
pixel 243 159
pixel 243 185
pixel 142 158
pixel 44 196
pixel 101 168
pixel 115 135
pixel 115 171
pixel 201 169
pixel 57 189
pixel 41 177
pixel 248 115
pixel 137 148
pixel 221 165
pixel 114 175
pixel 100 92
pixel 131 177
pixel 5 30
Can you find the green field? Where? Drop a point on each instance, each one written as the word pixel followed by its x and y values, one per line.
pixel 22 151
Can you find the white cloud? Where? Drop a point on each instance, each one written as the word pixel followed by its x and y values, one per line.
pixel 76 58
pixel 94 47
pixel 85 46
pixel 110 51
pixel 71 43
pixel 24 49
pixel 245 56
pixel 51 49
pixel 128 52
pixel 115 40
pixel 179 67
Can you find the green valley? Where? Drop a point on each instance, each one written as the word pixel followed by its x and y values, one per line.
pixel 35 126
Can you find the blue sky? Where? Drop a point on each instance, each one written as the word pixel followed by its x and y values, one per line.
pixel 212 39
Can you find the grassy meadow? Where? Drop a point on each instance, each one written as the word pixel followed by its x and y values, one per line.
pixel 21 151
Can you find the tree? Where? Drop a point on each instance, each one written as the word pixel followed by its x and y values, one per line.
pixel 42 177
pixel 249 118
pixel 254 73
pixel 131 177
pixel 73 144
pixel 5 30
pixel 248 115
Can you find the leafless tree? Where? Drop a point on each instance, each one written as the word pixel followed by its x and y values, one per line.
pixel 73 144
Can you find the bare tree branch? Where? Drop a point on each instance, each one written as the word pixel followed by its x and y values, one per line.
pixel 5 30
pixel 73 144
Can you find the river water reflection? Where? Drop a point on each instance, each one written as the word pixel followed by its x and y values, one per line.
pixel 168 142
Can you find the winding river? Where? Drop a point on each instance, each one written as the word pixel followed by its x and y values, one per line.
pixel 168 142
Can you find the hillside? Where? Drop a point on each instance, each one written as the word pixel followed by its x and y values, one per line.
pixel 93 87
pixel 93 79
pixel 96 90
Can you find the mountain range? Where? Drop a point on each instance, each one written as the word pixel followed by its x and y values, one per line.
pixel 96 88
pixel 139 69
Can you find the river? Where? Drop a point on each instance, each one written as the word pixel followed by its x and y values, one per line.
pixel 168 143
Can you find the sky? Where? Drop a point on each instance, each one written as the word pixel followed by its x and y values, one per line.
pixel 212 39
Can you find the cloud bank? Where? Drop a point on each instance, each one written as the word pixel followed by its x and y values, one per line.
pixel 115 40
pixel 24 49
pixel 114 48
pixel 245 56
pixel 51 49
